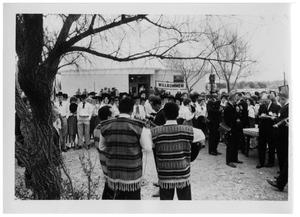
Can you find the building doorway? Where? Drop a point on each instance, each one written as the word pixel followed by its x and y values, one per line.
pixel 137 83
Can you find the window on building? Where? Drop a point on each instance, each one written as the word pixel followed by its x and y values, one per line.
pixel 178 78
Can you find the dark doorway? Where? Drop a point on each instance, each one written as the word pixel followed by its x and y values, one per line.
pixel 137 83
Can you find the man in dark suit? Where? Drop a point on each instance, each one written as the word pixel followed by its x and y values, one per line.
pixel 282 146
pixel 242 108
pixel 214 117
pixel 231 120
pixel 268 110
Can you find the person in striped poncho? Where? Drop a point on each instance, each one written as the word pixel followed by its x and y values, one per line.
pixel 172 144
pixel 121 141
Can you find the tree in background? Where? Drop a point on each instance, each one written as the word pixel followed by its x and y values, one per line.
pixel 192 71
pixel 228 45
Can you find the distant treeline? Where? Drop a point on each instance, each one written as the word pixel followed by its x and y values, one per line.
pixel 254 84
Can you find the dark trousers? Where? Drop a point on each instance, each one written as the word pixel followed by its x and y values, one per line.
pixel 264 139
pixel 182 193
pixel 213 137
pixel 282 147
pixel 201 124
pixel 109 194
pixel 232 147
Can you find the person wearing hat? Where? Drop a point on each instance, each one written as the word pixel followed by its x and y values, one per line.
pixel 84 114
pixel 282 146
pixel 63 110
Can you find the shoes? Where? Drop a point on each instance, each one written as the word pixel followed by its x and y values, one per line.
pixel 219 153
pixel 156 194
pixel 269 165
pixel 259 166
pixel 274 184
pixel 64 150
pixel 213 153
pixel 155 184
pixel 238 162
pixel 144 182
pixel 231 165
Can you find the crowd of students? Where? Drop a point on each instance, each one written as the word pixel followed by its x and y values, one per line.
pixel 220 117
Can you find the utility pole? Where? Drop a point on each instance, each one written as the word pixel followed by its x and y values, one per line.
pixel 284 78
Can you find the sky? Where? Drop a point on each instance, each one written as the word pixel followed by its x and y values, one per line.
pixel 265 27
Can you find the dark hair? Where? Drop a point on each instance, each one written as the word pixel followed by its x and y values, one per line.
pixel 186 101
pixel 73 107
pixel 194 97
pixel 156 100
pixel 272 91
pixel 239 94
pixel 73 99
pixel 171 97
pixel 142 99
pixel 104 112
pixel 171 110
pixel 126 105
pixel 251 101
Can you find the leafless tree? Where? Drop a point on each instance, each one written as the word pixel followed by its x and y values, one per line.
pixel 192 71
pixel 41 51
pixel 228 45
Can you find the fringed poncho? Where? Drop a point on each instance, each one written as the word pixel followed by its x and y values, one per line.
pixel 121 158
pixel 173 154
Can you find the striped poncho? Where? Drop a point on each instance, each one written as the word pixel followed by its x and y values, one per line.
pixel 173 154
pixel 121 158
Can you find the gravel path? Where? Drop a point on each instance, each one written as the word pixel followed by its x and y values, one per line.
pixel 210 177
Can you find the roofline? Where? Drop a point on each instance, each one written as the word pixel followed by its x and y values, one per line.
pixel 126 68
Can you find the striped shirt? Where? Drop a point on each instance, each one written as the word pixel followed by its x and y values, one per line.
pixel 121 152
pixel 173 153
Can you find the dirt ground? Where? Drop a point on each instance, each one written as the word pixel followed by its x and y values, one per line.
pixel 210 177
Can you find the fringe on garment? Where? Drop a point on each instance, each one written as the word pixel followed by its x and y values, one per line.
pixel 120 185
pixel 174 184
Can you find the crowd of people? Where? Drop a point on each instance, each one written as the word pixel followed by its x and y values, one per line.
pixel 175 128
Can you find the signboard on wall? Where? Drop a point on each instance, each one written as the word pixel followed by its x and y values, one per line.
pixel 166 85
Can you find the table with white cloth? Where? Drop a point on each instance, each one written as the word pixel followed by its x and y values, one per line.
pixel 250 133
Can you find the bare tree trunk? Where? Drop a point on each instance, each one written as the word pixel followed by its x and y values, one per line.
pixel 42 155
pixel 36 79
pixel 228 86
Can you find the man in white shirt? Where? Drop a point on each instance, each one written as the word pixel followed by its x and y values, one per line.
pixel 150 112
pixel 63 110
pixel 185 112
pixel 84 114
pixel 139 111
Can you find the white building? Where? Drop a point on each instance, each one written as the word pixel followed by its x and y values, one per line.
pixel 125 79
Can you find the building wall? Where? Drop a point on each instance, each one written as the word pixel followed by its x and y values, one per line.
pixel 71 82
pixel 95 80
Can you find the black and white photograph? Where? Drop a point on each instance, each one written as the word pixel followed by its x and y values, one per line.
pixel 148 102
